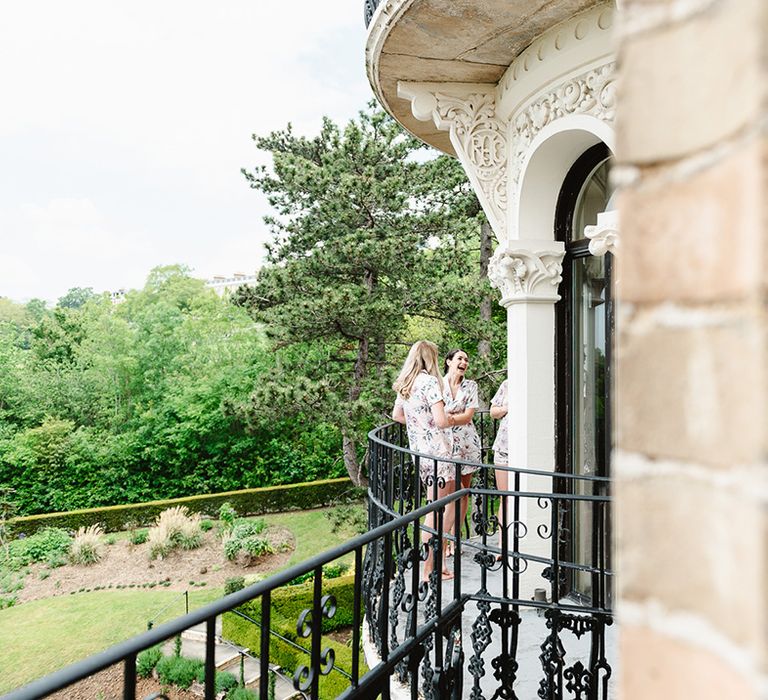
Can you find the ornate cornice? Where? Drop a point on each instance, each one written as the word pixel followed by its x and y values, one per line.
pixel 579 41
pixel 527 271
pixel 604 237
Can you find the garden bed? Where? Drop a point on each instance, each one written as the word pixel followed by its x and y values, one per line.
pixel 126 565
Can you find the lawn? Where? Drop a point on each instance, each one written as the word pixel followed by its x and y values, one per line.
pixel 44 635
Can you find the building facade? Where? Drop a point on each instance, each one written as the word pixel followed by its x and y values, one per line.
pixel 618 154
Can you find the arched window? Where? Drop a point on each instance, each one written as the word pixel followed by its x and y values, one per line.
pixel 583 352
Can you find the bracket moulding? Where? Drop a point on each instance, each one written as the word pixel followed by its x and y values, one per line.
pixel 468 112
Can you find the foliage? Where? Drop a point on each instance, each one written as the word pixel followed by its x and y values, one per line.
pixel 45 545
pixel 175 527
pixel 222 680
pixel 272 499
pixel 86 546
pixel 329 571
pixel 244 543
pixel 138 536
pixel 179 670
pixel 7 511
pixel 367 242
pixel 147 660
pixel 103 403
pixel 227 516
pixel 349 516
pixel 234 584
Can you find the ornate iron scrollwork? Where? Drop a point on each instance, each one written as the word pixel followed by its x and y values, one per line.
pixel 305 675
pixel 505 665
pixel 481 639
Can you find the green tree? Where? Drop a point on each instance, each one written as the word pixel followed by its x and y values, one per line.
pixel 76 297
pixel 366 238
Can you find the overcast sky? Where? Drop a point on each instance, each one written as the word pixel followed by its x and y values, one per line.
pixel 123 128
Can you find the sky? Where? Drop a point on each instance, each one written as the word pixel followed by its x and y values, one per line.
pixel 124 126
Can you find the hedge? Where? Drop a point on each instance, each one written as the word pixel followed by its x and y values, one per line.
pixel 271 499
pixel 287 604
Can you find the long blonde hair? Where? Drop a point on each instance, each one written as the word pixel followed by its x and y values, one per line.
pixel 423 355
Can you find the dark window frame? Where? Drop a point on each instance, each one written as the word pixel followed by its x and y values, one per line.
pixel 567 199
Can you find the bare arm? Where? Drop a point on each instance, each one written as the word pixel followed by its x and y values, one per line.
pixel 398 413
pixel 498 412
pixel 442 419
pixel 463 417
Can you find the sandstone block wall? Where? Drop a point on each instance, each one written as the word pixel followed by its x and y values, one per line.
pixel 692 381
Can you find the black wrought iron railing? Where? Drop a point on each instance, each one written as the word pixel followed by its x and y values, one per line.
pixel 534 575
pixel 520 609
pixel 369 7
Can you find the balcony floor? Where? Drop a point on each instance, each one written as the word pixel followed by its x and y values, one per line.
pixel 532 633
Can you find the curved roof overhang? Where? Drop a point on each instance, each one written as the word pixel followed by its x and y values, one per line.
pixel 452 41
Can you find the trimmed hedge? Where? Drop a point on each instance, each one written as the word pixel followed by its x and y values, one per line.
pixel 287 604
pixel 270 499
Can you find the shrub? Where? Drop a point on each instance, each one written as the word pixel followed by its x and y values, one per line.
pixel 223 680
pixel 147 660
pixel 175 527
pixel 329 571
pixel 55 560
pixel 270 499
pixel 350 516
pixel 206 525
pixel 138 537
pixel 227 516
pixel 43 545
pixel 244 543
pixel 110 540
pixel 178 670
pixel 86 547
pixel 241 694
pixel 236 583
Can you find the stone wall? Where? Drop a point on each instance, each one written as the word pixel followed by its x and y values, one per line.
pixel 692 494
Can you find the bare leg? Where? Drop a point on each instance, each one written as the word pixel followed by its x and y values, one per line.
pixel 466 481
pixel 431 521
pixel 502 483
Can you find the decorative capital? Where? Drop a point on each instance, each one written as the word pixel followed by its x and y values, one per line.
pixel 527 271
pixel 604 237
pixel 479 137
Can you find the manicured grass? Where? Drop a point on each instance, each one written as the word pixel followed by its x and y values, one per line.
pixel 312 531
pixel 44 635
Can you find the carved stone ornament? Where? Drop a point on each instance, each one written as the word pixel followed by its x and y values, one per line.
pixel 603 237
pixel 493 150
pixel 527 271
pixel 592 93
pixel 477 135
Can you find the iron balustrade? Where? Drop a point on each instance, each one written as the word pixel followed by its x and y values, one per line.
pixel 554 534
pixel 435 637
pixel 369 7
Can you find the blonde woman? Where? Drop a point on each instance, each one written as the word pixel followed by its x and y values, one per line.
pixel 420 405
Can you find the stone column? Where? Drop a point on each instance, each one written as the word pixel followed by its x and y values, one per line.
pixel 691 492
pixel 527 274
